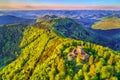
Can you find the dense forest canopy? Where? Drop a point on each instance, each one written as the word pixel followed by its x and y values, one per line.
pixel 43 55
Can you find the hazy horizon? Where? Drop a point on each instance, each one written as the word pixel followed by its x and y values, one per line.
pixel 60 5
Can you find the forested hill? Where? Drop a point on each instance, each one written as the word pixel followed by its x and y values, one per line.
pixel 10 39
pixel 66 27
pixel 44 56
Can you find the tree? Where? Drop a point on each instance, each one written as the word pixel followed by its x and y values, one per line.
pixel 85 68
pixel 113 78
pixel 96 59
pixel 92 71
pixel 95 77
pixel 106 71
pixel 71 72
pixel 110 61
pixel 68 77
pixel 91 60
pixel 52 74
pixel 80 74
pixel 57 77
pixel 86 76
pixel 78 60
pixel 106 55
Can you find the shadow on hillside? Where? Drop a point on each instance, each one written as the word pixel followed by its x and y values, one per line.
pixel 10 38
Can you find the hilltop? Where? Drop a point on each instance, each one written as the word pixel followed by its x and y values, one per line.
pixel 44 51
pixel 66 27
pixel 46 17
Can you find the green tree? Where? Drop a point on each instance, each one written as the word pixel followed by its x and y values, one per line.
pixel 91 60
pixel 85 68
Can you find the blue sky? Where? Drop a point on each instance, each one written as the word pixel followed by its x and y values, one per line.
pixel 73 2
pixel 60 4
pixel 88 2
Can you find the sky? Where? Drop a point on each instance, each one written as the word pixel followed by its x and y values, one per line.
pixel 59 4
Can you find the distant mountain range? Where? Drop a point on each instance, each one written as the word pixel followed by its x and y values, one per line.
pixel 9 19
pixel 84 17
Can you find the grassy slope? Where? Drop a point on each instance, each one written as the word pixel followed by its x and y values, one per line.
pixel 44 56
pixel 107 24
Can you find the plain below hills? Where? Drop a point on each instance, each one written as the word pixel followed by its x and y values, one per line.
pixel 107 24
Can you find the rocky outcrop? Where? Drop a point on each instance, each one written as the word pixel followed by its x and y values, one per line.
pixel 78 52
